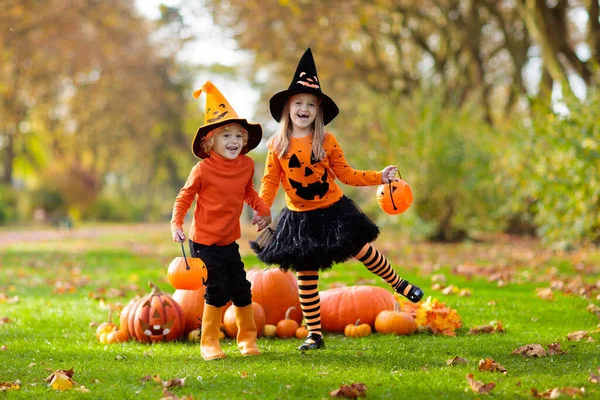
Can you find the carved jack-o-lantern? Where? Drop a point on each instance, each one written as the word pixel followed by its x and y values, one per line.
pixel 156 317
pixel 307 180
pixel 394 197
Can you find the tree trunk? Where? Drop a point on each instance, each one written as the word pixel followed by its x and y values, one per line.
pixel 9 156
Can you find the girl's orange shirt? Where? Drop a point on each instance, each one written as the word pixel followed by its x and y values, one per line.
pixel 220 188
pixel 310 184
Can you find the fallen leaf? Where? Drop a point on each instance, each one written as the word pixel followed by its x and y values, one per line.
pixel 557 392
pixel 481 329
pixel 61 381
pixel 531 350
pixel 4 320
pixel 490 365
pixel 175 382
pixel 577 336
pixel 82 389
pixel 555 349
pixel 244 374
pixel 479 387
pixel 456 360
pixel 595 378
pixel 352 391
pixel 6 386
pixel 590 340
pixel 544 293
pixel 3 348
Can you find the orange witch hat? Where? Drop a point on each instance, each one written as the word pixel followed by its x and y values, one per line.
pixel 218 113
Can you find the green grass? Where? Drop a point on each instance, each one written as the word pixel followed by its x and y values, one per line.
pixel 49 331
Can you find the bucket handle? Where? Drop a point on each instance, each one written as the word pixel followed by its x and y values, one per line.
pixel 390 190
pixel 187 266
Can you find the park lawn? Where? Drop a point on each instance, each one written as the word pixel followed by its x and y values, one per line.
pixel 53 291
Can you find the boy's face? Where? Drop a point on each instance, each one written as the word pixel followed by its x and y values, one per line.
pixel 229 142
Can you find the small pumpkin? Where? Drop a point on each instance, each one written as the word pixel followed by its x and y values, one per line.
pixel 186 272
pixel 230 327
pixel 117 336
pixel 286 328
pixel 394 197
pixel 106 327
pixel 395 321
pixel 156 317
pixel 276 291
pixel 269 330
pixel 302 332
pixel 192 304
pixel 357 330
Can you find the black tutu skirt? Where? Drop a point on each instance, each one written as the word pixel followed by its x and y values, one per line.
pixel 315 240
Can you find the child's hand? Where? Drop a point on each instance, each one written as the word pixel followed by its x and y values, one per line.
pixel 178 235
pixel 260 222
pixel 389 174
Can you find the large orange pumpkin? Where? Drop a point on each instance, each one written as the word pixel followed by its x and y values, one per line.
pixel 186 272
pixel 156 317
pixel 230 326
pixel 394 197
pixel 276 291
pixel 343 306
pixel 192 304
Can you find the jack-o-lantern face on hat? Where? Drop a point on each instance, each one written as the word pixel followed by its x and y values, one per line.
pixel 309 181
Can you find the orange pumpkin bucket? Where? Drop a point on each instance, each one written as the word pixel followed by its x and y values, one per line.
pixel 394 197
pixel 186 272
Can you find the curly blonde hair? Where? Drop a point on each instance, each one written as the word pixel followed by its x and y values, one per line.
pixel 208 141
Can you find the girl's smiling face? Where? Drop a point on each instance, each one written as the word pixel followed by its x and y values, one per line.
pixel 229 142
pixel 303 110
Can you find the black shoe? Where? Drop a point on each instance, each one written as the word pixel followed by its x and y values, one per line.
pixel 414 294
pixel 317 343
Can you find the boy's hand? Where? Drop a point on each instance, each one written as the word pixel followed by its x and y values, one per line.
pixel 178 235
pixel 260 222
pixel 389 174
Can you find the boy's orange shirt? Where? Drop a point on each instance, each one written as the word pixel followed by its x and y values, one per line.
pixel 220 188
pixel 310 185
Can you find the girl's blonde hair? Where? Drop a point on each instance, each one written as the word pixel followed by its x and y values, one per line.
pixel 280 142
pixel 208 141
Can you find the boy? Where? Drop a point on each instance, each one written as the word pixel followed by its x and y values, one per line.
pixel 221 183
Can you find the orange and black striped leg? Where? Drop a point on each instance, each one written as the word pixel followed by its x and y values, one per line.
pixel 379 265
pixel 310 302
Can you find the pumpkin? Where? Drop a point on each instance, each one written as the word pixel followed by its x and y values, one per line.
pixel 269 330
pixel 106 327
pixel 394 197
pixel 275 291
pixel 395 321
pixel 287 327
pixel 230 326
pixel 357 329
pixel 192 304
pixel 117 336
pixel 302 332
pixel 124 316
pixel 156 317
pixel 186 272
pixel 344 305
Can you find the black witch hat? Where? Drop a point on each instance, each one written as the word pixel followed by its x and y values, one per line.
pixel 305 81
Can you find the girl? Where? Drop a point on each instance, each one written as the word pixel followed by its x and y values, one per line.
pixel 319 225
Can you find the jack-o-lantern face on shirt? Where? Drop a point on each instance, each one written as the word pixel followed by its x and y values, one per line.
pixel 309 181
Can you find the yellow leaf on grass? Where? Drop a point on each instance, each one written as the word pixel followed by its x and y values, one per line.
pixel 61 382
